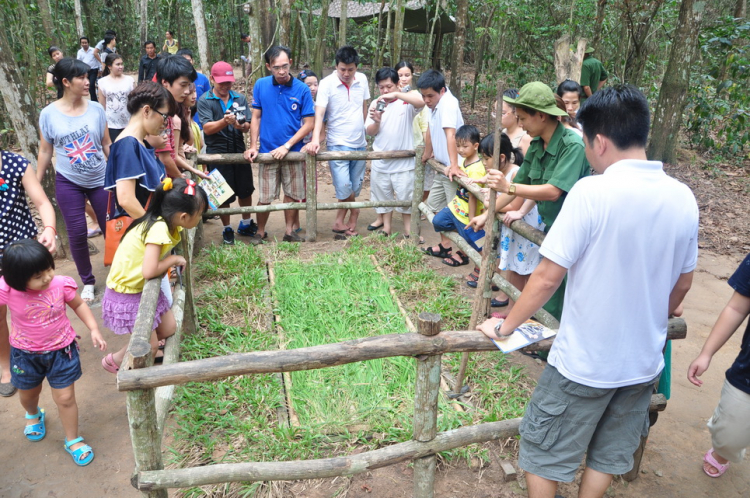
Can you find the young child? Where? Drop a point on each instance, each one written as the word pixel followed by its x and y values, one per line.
pixel 143 254
pixel 730 423
pixel 310 79
pixel 464 206
pixel 43 341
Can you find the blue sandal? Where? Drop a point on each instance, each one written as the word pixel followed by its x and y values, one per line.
pixel 37 431
pixel 76 454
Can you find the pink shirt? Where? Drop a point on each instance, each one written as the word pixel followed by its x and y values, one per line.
pixel 38 319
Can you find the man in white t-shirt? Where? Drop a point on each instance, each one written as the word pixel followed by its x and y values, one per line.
pixel 342 103
pixel 628 240
pixel 392 179
pixel 86 54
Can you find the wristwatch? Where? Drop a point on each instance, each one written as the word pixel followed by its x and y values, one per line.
pixel 288 146
pixel 512 189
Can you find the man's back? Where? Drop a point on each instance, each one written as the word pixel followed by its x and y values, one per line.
pixel 592 72
pixel 625 236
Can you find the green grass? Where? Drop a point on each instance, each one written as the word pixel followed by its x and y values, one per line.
pixel 236 419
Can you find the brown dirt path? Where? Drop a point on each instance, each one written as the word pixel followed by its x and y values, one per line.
pixel 675 447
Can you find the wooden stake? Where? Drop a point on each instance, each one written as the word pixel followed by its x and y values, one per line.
pixel 311 201
pixel 414 228
pixel 480 309
pixel 425 408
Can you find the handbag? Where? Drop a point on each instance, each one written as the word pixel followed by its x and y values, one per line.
pixel 114 230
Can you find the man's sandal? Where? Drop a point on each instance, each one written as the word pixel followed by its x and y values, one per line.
pixel 444 252
pixel 37 431
pixel 77 455
pixel 709 459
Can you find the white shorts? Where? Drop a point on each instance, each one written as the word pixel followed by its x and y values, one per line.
pixel 392 187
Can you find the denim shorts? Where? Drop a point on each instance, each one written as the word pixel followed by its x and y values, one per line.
pixel 347 176
pixel 446 221
pixel 565 420
pixel 61 368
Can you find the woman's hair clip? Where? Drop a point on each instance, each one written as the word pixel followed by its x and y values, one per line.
pixel 166 184
pixel 190 189
pixel 303 75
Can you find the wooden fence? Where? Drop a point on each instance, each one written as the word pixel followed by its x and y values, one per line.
pixel 150 389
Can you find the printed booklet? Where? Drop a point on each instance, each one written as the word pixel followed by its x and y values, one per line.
pixel 217 189
pixel 528 333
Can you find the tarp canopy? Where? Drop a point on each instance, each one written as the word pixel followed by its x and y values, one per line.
pixel 417 18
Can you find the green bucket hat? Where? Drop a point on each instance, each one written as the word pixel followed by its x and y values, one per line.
pixel 589 50
pixel 537 96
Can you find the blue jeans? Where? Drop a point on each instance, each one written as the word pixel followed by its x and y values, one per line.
pixel 446 221
pixel 347 176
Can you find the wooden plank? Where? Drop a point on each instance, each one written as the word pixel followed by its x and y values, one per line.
pixel 303 205
pixel 328 467
pixel 354 155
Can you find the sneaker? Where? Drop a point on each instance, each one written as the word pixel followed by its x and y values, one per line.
pixel 228 236
pixel 247 230
pixel 293 238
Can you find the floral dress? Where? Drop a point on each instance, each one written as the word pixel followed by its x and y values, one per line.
pixel 518 253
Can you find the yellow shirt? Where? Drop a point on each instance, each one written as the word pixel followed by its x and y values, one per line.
pixel 459 206
pixel 419 126
pixel 126 273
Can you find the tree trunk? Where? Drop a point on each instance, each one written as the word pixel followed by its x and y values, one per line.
pixel 285 17
pixel 343 22
pixel 321 40
pixel 143 13
pixel 79 18
pixel 638 17
pixel 567 63
pixel 255 31
pixel 398 32
pixel 305 42
pixel 378 58
pixel 601 6
pixel 23 116
pixel 386 43
pixel 200 33
pixel 49 27
pixel 740 9
pixel 668 113
pixel 459 41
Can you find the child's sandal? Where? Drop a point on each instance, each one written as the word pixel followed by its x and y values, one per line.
pixel 710 460
pixel 77 454
pixel 37 431
pixel 108 364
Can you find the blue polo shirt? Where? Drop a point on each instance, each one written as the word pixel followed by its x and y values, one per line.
pixel 202 85
pixel 283 108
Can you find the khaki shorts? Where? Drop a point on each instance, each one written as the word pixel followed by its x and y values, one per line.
pixel 565 420
pixel 441 193
pixel 292 178
pixel 392 187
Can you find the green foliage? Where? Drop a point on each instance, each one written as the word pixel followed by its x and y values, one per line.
pixel 718 121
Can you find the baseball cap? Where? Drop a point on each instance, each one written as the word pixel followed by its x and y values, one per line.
pixel 538 96
pixel 222 72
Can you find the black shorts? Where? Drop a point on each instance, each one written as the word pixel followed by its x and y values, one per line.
pixel 240 178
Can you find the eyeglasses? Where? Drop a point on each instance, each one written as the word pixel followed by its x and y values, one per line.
pixel 165 117
pixel 285 67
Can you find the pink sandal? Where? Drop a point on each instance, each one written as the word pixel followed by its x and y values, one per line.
pixel 709 459
pixel 108 364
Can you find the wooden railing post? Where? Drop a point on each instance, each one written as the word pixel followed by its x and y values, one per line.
pixel 311 168
pixel 414 227
pixel 425 408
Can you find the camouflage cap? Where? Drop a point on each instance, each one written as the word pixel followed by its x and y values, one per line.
pixel 537 96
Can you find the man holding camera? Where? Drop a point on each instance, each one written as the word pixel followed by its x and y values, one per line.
pixel 223 115
pixel 283 114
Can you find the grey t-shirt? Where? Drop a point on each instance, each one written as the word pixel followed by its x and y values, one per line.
pixel 78 143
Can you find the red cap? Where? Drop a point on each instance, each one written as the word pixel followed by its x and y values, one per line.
pixel 222 72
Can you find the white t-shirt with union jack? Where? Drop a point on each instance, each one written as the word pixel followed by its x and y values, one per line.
pixel 78 143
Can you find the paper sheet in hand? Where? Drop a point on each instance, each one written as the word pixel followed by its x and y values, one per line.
pixel 217 189
pixel 528 333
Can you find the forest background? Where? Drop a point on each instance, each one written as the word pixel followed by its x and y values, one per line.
pixel 689 57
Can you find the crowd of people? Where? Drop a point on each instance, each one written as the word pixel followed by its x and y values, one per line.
pixel 571 163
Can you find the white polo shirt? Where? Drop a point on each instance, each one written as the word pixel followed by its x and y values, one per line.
pixel 395 133
pixel 447 114
pixel 345 123
pixel 88 58
pixel 625 237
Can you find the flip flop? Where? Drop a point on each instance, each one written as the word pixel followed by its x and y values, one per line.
pixel 372 227
pixel 351 233
pixel 37 431
pixel 709 459
pixel 473 284
pixel 93 232
pixel 339 231
pixel 498 304
pixel 108 364
pixel 77 455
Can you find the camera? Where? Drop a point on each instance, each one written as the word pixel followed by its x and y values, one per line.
pixel 380 107
pixel 238 112
pixel 406 89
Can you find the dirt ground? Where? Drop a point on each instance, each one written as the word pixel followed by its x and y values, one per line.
pixel 671 465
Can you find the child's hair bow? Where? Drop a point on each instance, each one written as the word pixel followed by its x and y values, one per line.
pixel 190 189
